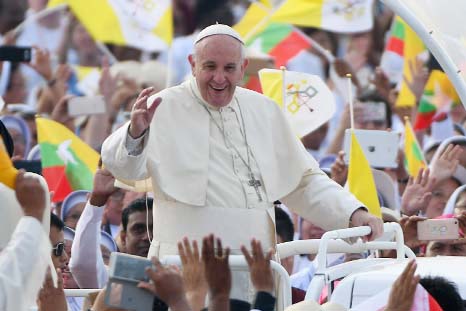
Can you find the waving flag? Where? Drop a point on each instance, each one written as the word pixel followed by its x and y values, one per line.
pixel 253 18
pixel 347 16
pixel 68 164
pixel 281 41
pixel 438 97
pixel 360 179
pixel 414 160
pixel 308 101
pixel 404 47
pixel 147 25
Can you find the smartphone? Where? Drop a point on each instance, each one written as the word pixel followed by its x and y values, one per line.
pixel 15 53
pixel 438 229
pixel 125 272
pixel 33 166
pixel 379 147
pixel 86 105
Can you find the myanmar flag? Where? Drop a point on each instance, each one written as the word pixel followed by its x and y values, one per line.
pixel 281 41
pixel 414 158
pixel 68 163
pixel 396 41
pixel 360 179
pixel 438 97
pixel 405 45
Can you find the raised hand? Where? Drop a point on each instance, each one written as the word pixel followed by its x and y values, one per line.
pixel 409 227
pixel 444 166
pixel 339 170
pixel 417 193
pixel 167 284
pixel 41 63
pixel 259 266
pixel 103 187
pixel 217 271
pixel 51 298
pixel 141 115
pixel 193 274
pixel 30 195
pixel 403 290
pixel 420 75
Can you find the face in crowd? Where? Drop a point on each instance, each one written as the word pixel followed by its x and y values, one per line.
pixel 135 239
pixel 218 65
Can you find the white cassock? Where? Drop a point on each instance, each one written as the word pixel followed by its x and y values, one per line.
pixel 197 165
pixel 24 254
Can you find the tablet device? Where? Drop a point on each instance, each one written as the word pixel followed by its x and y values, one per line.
pixel 379 147
pixel 125 272
pixel 86 105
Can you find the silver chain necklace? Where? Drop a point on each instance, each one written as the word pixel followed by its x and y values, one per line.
pixel 253 182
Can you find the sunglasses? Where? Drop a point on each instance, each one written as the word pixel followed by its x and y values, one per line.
pixel 58 249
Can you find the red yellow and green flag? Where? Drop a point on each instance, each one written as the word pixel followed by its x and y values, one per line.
pixel 360 179
pixel 68 164
pixel 438 97
pixel 414 158
pixel 281 41
pixel 396 41
pixel 404 43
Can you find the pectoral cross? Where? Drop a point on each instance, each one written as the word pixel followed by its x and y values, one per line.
pixel 253 182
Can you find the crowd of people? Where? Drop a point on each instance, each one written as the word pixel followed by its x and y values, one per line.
pixel 204 155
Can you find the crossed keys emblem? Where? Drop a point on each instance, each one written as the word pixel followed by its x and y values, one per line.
pixel 349 9
pixel 300 97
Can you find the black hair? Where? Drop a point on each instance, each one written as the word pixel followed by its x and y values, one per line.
pixel 56 222
pixel 210 12
pixel 284 225
pixel 444 292
pixel 138 205
pixel 371 95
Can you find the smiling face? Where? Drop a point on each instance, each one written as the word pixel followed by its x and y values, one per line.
pixel 218 66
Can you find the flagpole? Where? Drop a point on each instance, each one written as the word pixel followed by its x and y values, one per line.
pixel 104 49
pixel 350 100
pixel 327 54
pixel 283 69
pixel 169 67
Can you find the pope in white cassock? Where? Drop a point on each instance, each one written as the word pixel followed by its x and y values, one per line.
pixel 219 155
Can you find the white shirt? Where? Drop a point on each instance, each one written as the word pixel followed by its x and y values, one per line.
pixel 87 264
pixel 22 261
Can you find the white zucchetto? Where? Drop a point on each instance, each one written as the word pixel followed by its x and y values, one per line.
pixel 218 29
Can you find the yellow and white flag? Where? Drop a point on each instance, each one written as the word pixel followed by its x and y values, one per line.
pixel 253 20
pixel 360 179
pixel 145 24
pixel 346 16
pixel 309 103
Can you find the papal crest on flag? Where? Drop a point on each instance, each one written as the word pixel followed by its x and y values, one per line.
pixel 346 16
pixel 147 24
pixel 306 100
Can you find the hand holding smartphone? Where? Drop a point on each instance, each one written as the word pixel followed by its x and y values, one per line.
pixel 438 229
pixel 16 54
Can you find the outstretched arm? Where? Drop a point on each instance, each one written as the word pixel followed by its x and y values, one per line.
pixel 123 152
pixel 325 203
